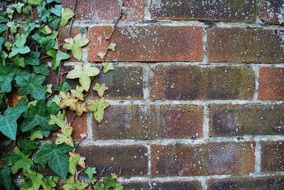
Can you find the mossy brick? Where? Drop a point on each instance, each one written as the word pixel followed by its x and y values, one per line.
pixel 130 160
pixel 271 83
pixel 245 45
pixel 147 43
pixel 150 122
pixel 227 10
pixel 196 82
pixel 272 158
pixel 203 159
pixel 248 119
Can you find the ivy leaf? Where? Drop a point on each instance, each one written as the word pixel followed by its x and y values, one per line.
pixel 55 157
pixel 100 88
pixel 6 77
pixel 78 93
pixel 83 73
pixel 73 162
pixel 34 2
pixel 42 69
pixel 90 171
pixel 27 146
pixel 57 56
pixel 19 50
pixel 8 122
pixel 1 43
pixel 66 15
pixel 67 101
pixel 75 45
pixel 36 116
pixel 18 7
pixel 65 136
pixel 63 87
pixel 71 185
pixel 98 108
pixel 59 120
pixel 107 67
pixel 80 109
pixel 33 86
pixel 5 177
pixel 33 58
pixel 112 47
pixel 37 134
pixel 36 179
pixel 23 163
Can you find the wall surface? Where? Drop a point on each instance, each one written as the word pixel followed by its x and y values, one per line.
pixel 196 96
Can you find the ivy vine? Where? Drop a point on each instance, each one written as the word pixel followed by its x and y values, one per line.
pixel 32 110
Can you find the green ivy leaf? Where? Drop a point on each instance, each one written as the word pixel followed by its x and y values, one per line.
pixel 24 162
pixel 83 73
pixel 55 157
pixel 34 2
pixel 63 87
pixel 6 77
pixel 8 121
pixel 27 146
pixel 98 108
pixel 66 15
pixel 100 89
pixel 73 162
pixel 42 69
pixel 57 56
pixel 75 45
pixel 5 177
pixel 90 171
pixel 1 43
pixel 36 179
pixel 107 67
pixel 33 58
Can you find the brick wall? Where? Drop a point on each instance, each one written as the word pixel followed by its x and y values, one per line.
pixel 197 94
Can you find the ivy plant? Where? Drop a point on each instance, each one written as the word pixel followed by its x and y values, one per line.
pixel 37 148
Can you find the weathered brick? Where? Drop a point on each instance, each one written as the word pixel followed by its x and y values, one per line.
pixel 241 11
pixel 272 158
pixel 136 186
pixel 245 45
pixel 123 83
pixel 180 185
pixel 79 125
pixel 150 122
pixel 147 43
pixel 271 11
pixel 268 183
pixel 202 159
pixel 109 10
pixel 122 160
pixel 271 83
pixel 64 33
pixel 195 82
pixel 250 119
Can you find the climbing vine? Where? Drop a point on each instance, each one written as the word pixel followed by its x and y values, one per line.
pixel 37 149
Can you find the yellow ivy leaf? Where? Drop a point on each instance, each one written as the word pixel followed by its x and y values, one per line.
pixel 98 108
pixel 78 93
pixel 101 55
pixel 59 120
pixel 100 89
pixel 83 73
pixel 67 101
pixel 107 67
pixel 75 45
pixel 65 136
pixel 80 109
pixel 73 162
pixel 112 47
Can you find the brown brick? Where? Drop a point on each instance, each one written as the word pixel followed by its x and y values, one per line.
pixel 268 183
pixel 122 160
pixel 271 83
pixel 250 119
pixel 123 83
pixel 241 11
pixel 79 125
pixel 136 186
pixel 180 185
pixel 150 122
pixel 110 10
pixel 195 82
pixel 147 43
pixel 245 45
pixel 202 159
pixel 64 33
pixel 272 157
pixel 271 11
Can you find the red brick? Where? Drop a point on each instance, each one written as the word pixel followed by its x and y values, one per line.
pixel 203 159
pixel 272 158
pixel 180 185
pixel 79 125
pixel 240 11
pixel 136 185
pixel 150 122
pixel 124 83
pixel 261 183
pixel 109 10
pixel 249 119
pixel 147 43
pixel 245 45
pixel 271 83
pixel 195 82
pixel 121 160
pixel 271 11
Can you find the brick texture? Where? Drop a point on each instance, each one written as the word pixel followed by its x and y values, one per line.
pixel 150 122
pixel 271 83
pixel 245 45
pixel 206 159
pixel 147 43
pixel 272 156
pixel 244 11
pixel 191 83
pixel 272 11
pixel 270 183
pixel 181 185
pixel 238 120
pixel 122 160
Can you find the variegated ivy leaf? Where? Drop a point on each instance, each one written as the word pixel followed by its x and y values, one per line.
pixel 83 73
pixel 107 67
pixel 65 136
pixel 101 55
pixel 59 120
pixel 66 15
pixel 78 93
pixel 75 45
pixel 73 162
pixel 67 101
pixel 80 109
pixel 112 47
pixel 100 89
pixel 98 108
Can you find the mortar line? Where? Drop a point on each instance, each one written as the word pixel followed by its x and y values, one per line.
pixel 204 45
pixel 256 73
pixel 206 122
pixel 149 160
pixel 90 123
pixel 147 10
pixel 146 83
pixel 257 157
pixel 203 182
